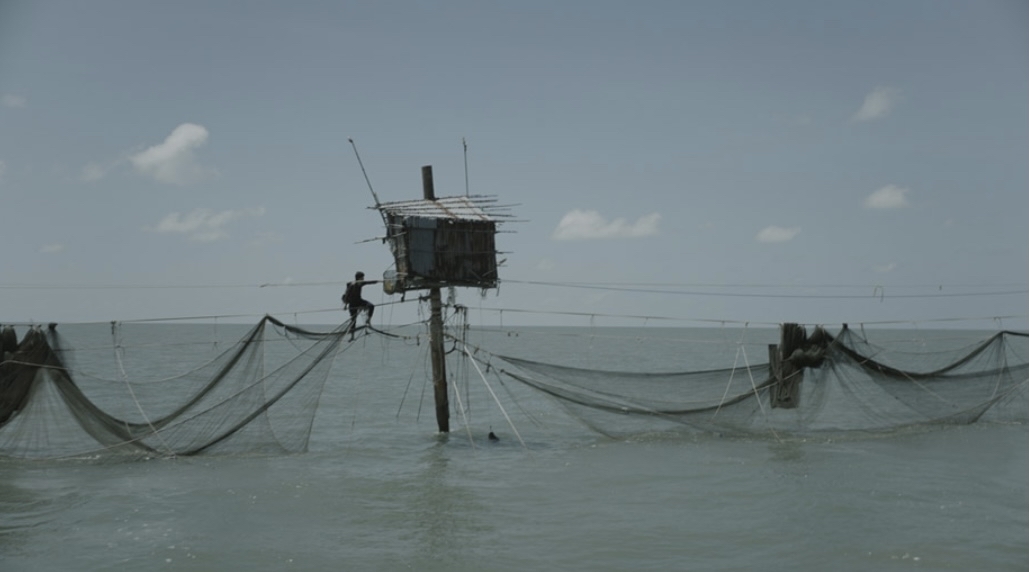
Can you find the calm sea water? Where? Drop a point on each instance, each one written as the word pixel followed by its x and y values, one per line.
pixel 379 489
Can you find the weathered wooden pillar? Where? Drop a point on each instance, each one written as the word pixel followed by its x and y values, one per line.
pixel 788 375
pixel 438 355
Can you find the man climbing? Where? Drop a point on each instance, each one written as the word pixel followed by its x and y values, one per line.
pixel 352 299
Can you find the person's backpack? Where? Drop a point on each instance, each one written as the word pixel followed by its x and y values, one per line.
pixel 349 295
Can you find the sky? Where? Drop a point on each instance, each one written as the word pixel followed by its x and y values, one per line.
pixel 667 163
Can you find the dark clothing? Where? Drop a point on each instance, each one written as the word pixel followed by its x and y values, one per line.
pixel 352 299
pixel 358 306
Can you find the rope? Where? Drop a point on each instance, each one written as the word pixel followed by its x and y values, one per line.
pixel 132 393
pixel 206 317
pixel 667 318
pixel 410 379
pixel 732 374
pixel 753 384
pixel 502 410
pixel 593 315
pixel 460 407
pixel 690 289
pixel 28 286
pixel 878 291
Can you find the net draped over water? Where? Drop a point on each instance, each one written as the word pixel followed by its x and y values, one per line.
pixel 259 395
pixel 848 384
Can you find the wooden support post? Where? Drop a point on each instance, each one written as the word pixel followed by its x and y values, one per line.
pixel 788 375
pixel 439 359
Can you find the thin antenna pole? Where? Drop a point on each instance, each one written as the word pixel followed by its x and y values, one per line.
pixel 367 180
pixel 465 144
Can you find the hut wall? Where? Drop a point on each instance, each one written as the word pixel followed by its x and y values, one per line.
pixel 432 251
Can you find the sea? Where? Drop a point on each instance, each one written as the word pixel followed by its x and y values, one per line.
pixel 379 488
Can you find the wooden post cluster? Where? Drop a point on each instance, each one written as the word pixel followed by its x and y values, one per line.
pixel 788 375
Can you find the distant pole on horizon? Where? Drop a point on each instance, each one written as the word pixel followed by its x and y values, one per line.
pixel 439 363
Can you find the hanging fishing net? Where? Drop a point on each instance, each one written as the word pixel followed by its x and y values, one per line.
pixel 256 395
pixel 841 383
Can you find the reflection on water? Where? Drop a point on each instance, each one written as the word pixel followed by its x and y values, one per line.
pixel 446 515
pixel 30 500
pixel 786 451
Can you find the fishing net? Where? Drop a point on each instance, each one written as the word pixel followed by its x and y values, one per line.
pixel 843 383
pixel 258 395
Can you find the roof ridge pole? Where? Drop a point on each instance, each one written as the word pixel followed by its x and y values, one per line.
pixel 439 363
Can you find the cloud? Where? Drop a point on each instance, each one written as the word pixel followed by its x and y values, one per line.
pixel 877 104
pixel 173 161
pixel 883 269
pixel 888 197
pixel 266 238
pixel 52 248
pixel 777 234
pixel 11 100
pixel 203 225
pixel 92 172
pixel 546 264
pixel 584 225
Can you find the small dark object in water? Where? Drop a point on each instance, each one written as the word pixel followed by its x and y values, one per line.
pixel 493 436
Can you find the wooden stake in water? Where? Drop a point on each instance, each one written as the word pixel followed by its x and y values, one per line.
pixel 439 359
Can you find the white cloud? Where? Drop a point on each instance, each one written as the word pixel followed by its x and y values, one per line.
pixel 582 225
pixel 51 248
pixel 92 172
pixel 883 269
pixel 11 100
pixel 173 161
pixel 777 234
pixel 877 104
pixel 265 238
pixel 203 225
pixel 888 197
